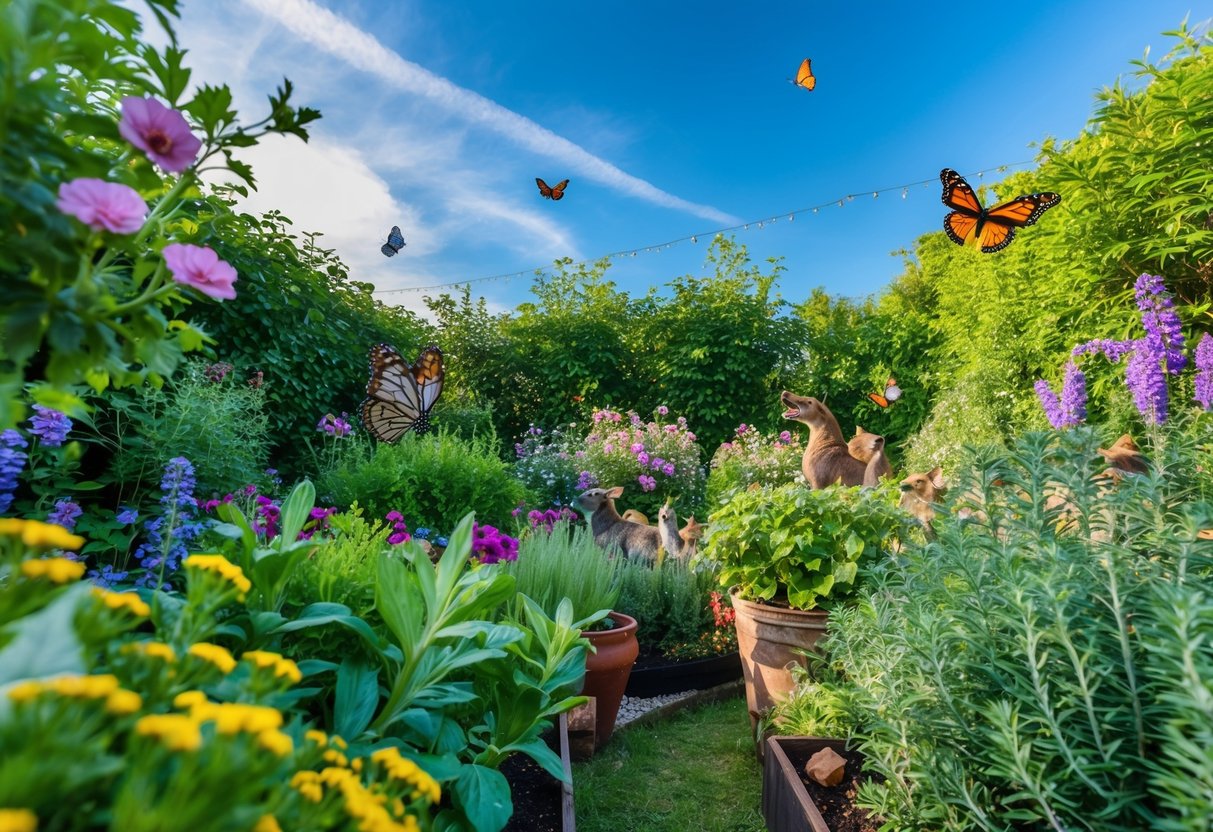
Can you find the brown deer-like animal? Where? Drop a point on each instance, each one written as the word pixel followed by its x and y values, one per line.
pixel 612 532
pixel 920 493
pixel 1123 458
pixel 691 534
pixel 869 448
pixel 826 459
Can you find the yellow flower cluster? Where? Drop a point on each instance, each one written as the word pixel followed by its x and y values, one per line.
pixel 213 653
pixel 281 666
pixel 41 536
pixel 234 718
pixel 55 570
pixel 18 820
pixel 128 601
pixel 267 823
pixel 118 701
pixel 176 731
pixel 406 771
pixel 368 807
pixel 154 649
pixel 222 567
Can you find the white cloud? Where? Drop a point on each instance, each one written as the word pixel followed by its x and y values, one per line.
pixel 337 36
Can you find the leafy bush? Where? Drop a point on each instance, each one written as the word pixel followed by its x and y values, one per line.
pixel 566 563
pixel 204 414
pixel 343 571
pixel 1046 663
pixel 800 545
pixel 552 465
pixel 433 479
pixel 753 457
pixel 655 460
pixel 671 601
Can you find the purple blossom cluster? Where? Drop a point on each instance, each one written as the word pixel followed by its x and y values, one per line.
pixel 650 454
pixel 12 463
pixel 1071 408
pixel 65 514
pixel 217 372
pixel 1151 357
pixel 317 521
pixel 167 535
pixel 490 545
pixel 50 426
pixel 755 457
pixel 335 425
pixel 548 519
pixel 400 531
pixel 1204 372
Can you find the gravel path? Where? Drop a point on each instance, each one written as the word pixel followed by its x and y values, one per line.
pixel 632 707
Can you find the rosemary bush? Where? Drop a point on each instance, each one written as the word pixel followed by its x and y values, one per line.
pixel 670 602
pixel 566 563
pixel 1047 663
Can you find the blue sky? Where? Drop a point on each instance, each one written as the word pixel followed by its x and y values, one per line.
pixel 671 119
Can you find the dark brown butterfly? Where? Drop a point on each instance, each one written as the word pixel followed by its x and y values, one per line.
pixel 400 395
pixel 554 192
pixel 992 229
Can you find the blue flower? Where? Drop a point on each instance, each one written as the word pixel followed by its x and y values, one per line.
pixel 127 516
pixel 65 514
pixel 422 533
pixel 440 541
pixel 106 576
pixel 50 426
pixel 12 463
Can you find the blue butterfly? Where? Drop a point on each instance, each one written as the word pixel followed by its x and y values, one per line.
pixel 395 242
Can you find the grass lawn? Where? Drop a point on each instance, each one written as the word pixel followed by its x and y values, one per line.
pixel 695 772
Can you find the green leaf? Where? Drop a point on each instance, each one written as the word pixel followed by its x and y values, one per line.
pixel 484 795
pixel 357 697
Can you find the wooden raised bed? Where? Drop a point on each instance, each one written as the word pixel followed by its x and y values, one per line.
pixel 548 805
pixel 787 805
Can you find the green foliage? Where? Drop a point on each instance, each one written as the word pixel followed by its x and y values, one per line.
pixel 84 306
pixel 567 563
pixel 548 464
pixel 343 571
pixel 669 601
pixel 800 545
pixel 753 457
pixel 220 426
pixel 1046 662
pixel 298 319
pixel 432 480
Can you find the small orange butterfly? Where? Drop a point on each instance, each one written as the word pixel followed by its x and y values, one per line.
pixel 805 77
pixel 554 192
pixel 891 393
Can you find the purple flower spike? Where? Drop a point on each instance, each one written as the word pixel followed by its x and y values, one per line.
pixel 1204 371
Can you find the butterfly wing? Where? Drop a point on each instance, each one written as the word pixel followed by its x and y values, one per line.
pixel 958 194
pixel 393 403
pixel 429 375
pixel 395 242
pixel 544 190
pixel 879 399
pixel 1000 223
pixel 558 189
pixel 805 77
pixel 959 227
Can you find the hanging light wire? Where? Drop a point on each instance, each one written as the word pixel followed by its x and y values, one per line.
pixel 694 238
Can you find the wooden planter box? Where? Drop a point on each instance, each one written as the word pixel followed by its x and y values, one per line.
pixel 786 804
pixel 568 821
pixel 699 674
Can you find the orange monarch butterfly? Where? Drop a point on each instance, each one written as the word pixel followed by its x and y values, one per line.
pixel 805 77
pixel 400 395
pixel 991 228
pixel 554 192
pixel 891 393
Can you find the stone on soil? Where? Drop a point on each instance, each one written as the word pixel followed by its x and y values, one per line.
pixel 826 767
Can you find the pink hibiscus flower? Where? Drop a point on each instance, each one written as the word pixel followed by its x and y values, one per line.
pixel 160 132
pixel 201 268
pixel 103 206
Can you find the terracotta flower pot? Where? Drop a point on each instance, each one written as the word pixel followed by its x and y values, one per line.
pixel 607 671
pixel 768 638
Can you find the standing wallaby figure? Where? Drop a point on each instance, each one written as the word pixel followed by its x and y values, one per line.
pixel 691 534
pixel 869 448
pixel 611 531
pixel 826 459
pixel 920 493
pixel 671 537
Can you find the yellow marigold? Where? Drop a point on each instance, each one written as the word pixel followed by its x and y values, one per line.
pixel 276 742
pixel 307 783
pixel 220 566
pixel 55 570
pixel 233 717
pixel 128 601
pixel 11 526
pixel 316 736
pixel 156 650
pixel 335 757
pixel 213 653
pixel 356 764
pixel 84 687
pixel 18 820
pixel 190 699
pixel 123 702
pixel 176 731
pixel 25 691
pixel 405 770
pixel 267 823
pixel 339 742
pixel 272 661
pixel 39 535
pixel 333 776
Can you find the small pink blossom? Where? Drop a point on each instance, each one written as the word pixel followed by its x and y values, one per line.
pixel 647 483
pixel 662 410
pixel 160 132
pixel 636 447
pixel 201 268
pixel 103 206
pixel 607 448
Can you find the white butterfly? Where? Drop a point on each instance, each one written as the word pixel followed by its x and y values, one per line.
pixel 400 395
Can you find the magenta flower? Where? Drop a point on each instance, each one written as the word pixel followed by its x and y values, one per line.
pixel 103 206
pixel 636 447
pixel 642 458
pixel 668 469
pixel 201 268
pixel 662 410
pixel 647 483
pixel 160 132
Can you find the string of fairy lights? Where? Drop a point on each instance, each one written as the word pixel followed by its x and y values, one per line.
pixel 783 216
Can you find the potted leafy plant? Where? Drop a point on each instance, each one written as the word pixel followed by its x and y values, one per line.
pixel 788 554
pixel 566 563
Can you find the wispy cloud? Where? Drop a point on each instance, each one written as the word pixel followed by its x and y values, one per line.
pixel 337 36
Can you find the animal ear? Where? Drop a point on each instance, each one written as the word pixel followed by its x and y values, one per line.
pixel 859 431
pixel 615 493
pixel 935 475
